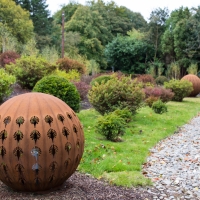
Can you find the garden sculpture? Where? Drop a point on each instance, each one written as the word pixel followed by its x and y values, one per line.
pixel 42 142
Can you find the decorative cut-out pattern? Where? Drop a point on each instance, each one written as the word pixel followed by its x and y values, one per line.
pixel 22 180
pixel 75 129
pixel 20 121
pixel 78 144
pixel 2 151
pixel 53 166
pixel 53 150
pixel 69 116
pixel 67 162
pixel 35 135
pixel 37 180
pixel 19 168
pixel 4 167
pixel 36 151
pixel 68 147
pixel 18 152
pixel 36 167
pixel 18 135
pixel 7 120
pixel 48 119
pixel 3 135
pixel 65 132
pixel 34 120
pixel 51 178
pixel 51 134
pixel 61 118
pixel 74 113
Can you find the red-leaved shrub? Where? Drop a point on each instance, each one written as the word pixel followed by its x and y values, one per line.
pixel 150 100
pixel 83 89
pixel 165 95
pixel 8 57
pixel 67 64
pixel 146 78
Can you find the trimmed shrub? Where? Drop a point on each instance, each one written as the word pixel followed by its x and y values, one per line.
pixel 6 80
pixel 83 89
pixel 159 107
pixel 72 75
pixel 67 64
pixel 195 83
pixel 150 100
pixel 100 79
pixel 180 88
pixel 161 79
pixel 111 126
pixel 61 88
pixel 29 70
pixel 146 78
pixel 124 114
pixel 116 93
pixel 8 57
pixel 163 94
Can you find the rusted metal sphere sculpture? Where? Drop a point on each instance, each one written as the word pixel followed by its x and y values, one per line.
pixel 195 82
pixel 42 142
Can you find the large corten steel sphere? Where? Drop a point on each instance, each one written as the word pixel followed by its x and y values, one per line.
pixel 42 142
pixel 195 82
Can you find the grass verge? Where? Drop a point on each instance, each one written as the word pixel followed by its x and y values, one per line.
pixel 121 163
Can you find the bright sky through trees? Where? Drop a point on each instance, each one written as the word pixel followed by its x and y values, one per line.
pixel 142 6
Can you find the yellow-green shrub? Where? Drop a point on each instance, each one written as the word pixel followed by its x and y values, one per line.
pixel 180 88
pixel 116 93
pixel 72 75
pixel 6 80
pixel 28 70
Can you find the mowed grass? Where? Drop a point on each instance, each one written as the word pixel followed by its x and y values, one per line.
pixel 121 163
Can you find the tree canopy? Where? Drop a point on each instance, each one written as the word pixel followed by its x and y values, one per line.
pixel 15 21
pixel 129 54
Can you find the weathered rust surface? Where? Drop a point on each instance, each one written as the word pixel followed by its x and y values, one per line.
pixel 42 142
pixel 195 83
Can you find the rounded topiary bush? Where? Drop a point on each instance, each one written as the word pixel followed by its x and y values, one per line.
pixel 195 83
pixel 159 107
pixel 161 79
pixel 60 88
pixel 180 88
pixel 100 79
pixel 116 93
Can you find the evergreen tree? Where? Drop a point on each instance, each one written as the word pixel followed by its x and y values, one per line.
pixel 25 4
pixel 42 21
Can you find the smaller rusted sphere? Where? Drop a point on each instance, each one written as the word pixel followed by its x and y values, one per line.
pixel 42 142
pixel 195 82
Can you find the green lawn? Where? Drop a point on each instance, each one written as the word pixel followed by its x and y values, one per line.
pixel 121 163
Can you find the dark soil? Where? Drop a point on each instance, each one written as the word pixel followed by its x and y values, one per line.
pixel 79 186
pixel 83 187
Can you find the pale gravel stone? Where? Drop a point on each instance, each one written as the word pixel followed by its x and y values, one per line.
pixel 177 163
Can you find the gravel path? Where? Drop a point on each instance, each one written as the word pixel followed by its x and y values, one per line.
pixel 174 164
